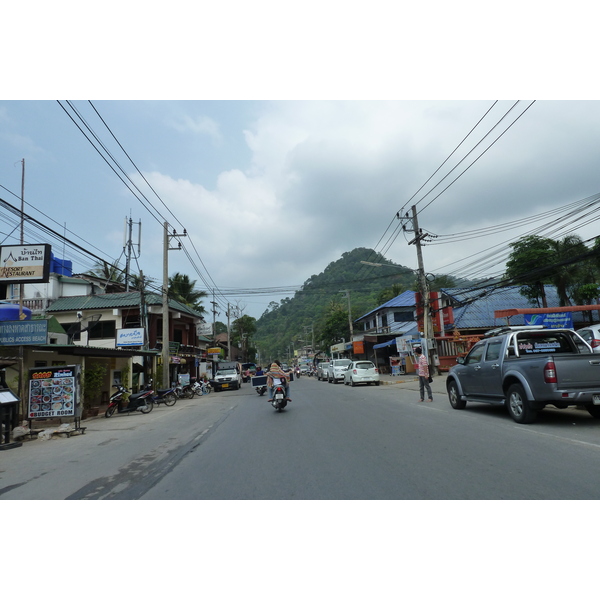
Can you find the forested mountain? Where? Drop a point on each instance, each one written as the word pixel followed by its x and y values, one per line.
pixel 322 304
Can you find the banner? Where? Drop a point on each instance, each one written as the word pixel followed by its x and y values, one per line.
pixel 21 333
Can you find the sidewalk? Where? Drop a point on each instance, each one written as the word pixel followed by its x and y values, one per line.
pixel 411 382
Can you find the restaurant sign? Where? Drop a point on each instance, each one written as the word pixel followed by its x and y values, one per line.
pixel 53 391
pixel 25 264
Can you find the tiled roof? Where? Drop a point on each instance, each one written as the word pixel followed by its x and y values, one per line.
pixel 117 300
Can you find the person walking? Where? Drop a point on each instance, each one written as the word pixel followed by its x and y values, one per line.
pixel 423 371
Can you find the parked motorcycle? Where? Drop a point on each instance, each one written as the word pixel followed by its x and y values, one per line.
pixel 201 388
pixel 279 402
pixel 184 391
pixel 140 402
pixel 168 397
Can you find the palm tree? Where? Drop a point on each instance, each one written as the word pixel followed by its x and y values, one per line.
pixel 182 289
pixel 109 272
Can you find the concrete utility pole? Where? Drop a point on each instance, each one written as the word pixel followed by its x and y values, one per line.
pixel 165 300
pixel 347 292
pixel 428 333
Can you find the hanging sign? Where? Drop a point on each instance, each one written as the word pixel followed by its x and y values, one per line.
pixel 25 264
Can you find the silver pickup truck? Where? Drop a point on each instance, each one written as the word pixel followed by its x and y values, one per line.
pixel 527 368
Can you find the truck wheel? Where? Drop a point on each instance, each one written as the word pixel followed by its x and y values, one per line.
pixel 518 406
pixel 593 410
pixel 454 396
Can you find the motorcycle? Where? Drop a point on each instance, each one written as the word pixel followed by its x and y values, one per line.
pixel 184 391
pixel 168 397
pixel 201 388
pixel 140 402
pixel 260 389
pixel 279 402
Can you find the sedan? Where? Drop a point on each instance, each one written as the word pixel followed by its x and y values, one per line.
pixel 361 371
pixel 591 335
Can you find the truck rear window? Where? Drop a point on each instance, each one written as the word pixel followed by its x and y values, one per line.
pixel 548 343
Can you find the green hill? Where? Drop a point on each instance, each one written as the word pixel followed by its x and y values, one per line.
pixel 320 307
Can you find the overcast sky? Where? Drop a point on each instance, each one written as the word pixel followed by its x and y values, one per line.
pixel 271 190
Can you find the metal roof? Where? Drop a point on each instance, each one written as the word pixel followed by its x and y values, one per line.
pixel 404 300
pixel 115 300
pixel 476 308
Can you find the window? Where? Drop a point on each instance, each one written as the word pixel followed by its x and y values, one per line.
pixel 103 330
pixel 402 317
pixel 493 350
pixel 72 329
pixel 475 355
pixel 384 320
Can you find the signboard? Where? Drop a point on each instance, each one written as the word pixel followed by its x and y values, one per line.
pixel 358 347
pixel 559 320
pixel 130 337
pixel 22 333
pixel 25 264
pixel 213 351
pixel 53 392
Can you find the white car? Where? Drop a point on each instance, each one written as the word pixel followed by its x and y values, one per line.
pixel 591 335
pixel 361 371
pixel 336 369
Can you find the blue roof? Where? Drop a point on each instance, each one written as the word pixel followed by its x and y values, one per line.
pixel 404 300
pixel 478 307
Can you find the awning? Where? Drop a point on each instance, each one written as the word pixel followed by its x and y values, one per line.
pixel 384 344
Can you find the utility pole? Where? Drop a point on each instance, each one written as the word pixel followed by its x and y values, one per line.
pixel 165 300
pixel 428 333
pixel 128 247
pixel 347 292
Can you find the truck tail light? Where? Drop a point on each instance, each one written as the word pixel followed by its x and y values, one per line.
pixel 550 372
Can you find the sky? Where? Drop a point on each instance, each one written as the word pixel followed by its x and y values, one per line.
pixel 281 135
pixel 271 192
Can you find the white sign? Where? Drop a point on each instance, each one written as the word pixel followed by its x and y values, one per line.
pixel 25 264
pixel 130 337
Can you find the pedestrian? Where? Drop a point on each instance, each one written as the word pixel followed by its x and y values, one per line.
pixel 423 371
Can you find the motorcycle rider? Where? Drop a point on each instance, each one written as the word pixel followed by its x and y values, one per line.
pixel 277 376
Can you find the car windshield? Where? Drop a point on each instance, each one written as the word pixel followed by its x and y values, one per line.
pixel 226 372
pixel 364 365
pixel 341 363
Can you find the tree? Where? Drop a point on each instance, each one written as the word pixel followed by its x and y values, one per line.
pixel 529 254
pixel 242 331
pixel 567 272
pixel 109 272
pixel 182 289
pixel 334 327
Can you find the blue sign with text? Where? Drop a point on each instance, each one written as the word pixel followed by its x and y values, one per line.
pixel 559 320
pixel 18 333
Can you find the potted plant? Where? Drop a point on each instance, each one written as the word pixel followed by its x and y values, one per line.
pixel 93 379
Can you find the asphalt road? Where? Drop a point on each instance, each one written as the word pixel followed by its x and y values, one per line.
pixel 332 442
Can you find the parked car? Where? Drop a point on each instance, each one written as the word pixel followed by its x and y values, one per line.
pixel 591 335
pixel 361 371
pixel 525 369
pixel 322 370
pixel 228 376
pixel 336 369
